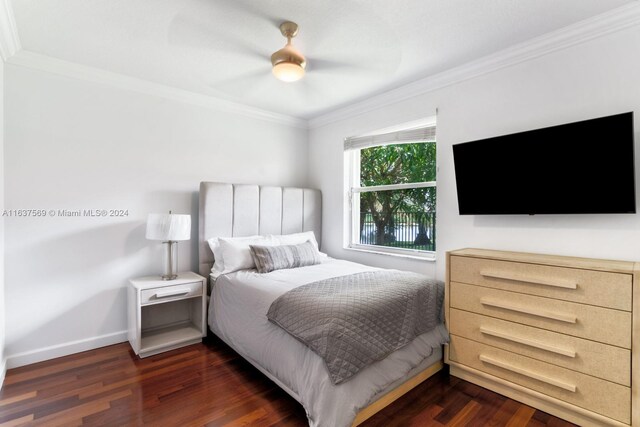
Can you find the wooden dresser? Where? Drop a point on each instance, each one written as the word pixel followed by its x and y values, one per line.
pixel 556 333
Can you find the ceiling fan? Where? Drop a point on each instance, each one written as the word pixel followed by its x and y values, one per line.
pixel 242 56
pixel 288 63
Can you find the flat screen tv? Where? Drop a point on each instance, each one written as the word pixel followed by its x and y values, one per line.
pixel 584 167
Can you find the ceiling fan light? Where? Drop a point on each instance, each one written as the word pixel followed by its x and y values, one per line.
pixel 288 71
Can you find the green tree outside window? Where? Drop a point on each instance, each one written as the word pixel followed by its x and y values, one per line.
pixel 393 216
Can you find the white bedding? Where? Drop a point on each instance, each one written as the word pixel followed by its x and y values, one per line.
pixel 237 314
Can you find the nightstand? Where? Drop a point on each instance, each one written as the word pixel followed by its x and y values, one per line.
pixel 166 314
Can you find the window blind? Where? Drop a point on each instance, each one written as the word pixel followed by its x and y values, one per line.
pixel 423 134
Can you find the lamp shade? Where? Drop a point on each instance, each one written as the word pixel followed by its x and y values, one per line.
pixel 168 227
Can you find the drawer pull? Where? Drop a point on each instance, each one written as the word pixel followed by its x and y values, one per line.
pixel 562 317
pixel 527 373
pixel 173 293
pixel 526 341
pixel 557 283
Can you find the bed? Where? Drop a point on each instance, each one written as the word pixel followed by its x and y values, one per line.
pixel 240 300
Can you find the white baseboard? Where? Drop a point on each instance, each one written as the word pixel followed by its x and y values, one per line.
pixel 51 352
pixel 3 371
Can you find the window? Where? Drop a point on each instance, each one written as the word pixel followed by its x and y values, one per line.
pixel 392 192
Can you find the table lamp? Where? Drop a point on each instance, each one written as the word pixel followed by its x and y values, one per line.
pixel 169 228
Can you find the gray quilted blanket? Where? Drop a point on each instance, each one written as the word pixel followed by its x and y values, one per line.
pixel 352 321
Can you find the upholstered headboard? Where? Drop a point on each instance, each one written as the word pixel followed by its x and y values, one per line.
pixel 236 210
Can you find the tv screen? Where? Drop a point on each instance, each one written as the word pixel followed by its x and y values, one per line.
pixel 584 167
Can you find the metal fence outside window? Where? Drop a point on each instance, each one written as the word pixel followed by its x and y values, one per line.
pixel 407 230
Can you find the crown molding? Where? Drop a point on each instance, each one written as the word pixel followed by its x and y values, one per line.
pixel 594 27
pixel 9 40
pixel 36 61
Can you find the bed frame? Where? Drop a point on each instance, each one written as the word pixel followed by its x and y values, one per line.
pixel 236 210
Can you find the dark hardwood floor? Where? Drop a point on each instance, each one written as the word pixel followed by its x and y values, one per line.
pixel 209 384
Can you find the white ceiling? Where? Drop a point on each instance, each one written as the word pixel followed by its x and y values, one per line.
pixel 355 48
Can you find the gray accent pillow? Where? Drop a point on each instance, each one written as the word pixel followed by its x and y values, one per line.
pixel 270 258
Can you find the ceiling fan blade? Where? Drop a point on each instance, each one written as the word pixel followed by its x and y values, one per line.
pixel 316 64
pixel 243 76
pixel 192 32
pixel 319 65
pixel 242 83
pixel 251 8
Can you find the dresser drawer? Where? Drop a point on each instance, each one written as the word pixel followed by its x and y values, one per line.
pixel 585 321
pixel 589 357
pixel 598 288
pixel 170 293
pixel 603 397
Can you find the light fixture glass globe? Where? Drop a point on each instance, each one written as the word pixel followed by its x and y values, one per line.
pixel 288 71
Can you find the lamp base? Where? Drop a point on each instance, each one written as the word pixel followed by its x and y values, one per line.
pixel 170 260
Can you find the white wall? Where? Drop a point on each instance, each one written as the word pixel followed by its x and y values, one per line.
pixel 2 298
pixel 595 78
pixel 71 144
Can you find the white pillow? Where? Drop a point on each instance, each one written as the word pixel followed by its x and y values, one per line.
pixel 218 261
pixel 295 238
pixel 218 256
pixel 237 254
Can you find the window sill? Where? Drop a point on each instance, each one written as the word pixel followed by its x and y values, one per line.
pixel 431 257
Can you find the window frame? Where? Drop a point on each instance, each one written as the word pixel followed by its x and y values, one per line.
pixel 352 241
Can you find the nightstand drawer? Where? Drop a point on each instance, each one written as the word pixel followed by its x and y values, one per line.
pixel 599 288
pixel 589 357
pixel 585 321
pixel 170 293
pixel 603 397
